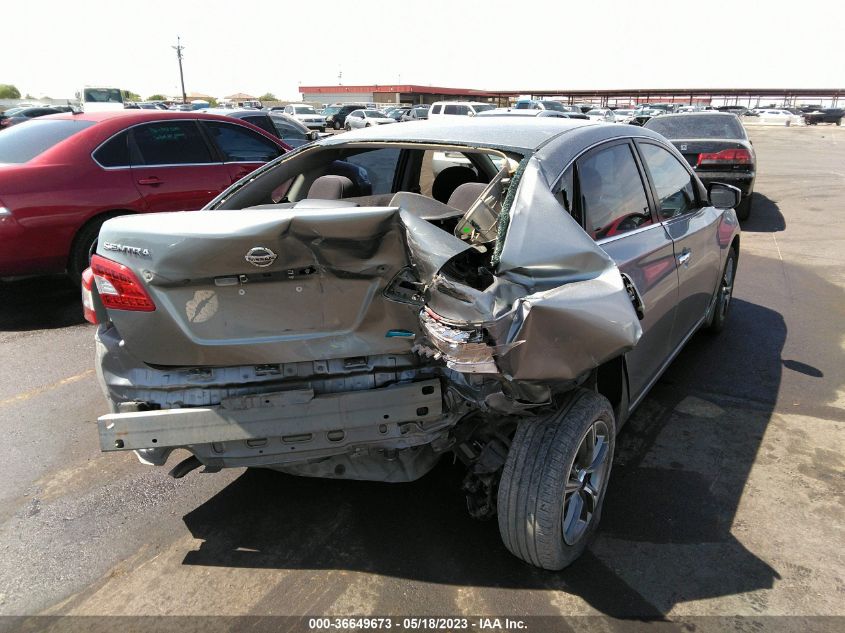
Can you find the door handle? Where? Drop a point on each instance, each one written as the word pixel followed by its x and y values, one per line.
pixel 684 257
pixel 152 181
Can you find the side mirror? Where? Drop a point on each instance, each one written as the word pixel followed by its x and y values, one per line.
pixel 724 196
pixel 313 135
pixel 471 113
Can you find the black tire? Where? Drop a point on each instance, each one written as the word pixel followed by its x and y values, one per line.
pixel 724 294
pixel 84 245
pixel 336 125
pixel 533 494
pixel 348 128
pixel 743 209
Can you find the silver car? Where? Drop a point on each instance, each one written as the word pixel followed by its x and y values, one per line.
pixel 366 118
pixel 357 319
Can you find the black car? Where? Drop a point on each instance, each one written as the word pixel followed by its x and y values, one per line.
pixel 280 125
pixel 13 116
pixel 336 114
pixel 716 147
pixel 828 115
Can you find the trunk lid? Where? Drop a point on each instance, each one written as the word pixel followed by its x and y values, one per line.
pixel 271 285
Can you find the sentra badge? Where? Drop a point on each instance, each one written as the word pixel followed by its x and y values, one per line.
pixel 129 250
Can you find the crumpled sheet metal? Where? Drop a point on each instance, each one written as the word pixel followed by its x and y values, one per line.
pixel 571 329
pixel 560 298
pixel 544 246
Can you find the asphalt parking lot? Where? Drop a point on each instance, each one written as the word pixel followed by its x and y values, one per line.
pixel 726 496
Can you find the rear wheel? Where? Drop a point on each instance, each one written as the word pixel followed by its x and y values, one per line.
pixel 554 481
pixel 336 125
pixel 724 295
pixel 84 246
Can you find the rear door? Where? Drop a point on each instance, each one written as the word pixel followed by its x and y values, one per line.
pixel 692 224
pixel 173 166
pixel 242 150
pixel 611 200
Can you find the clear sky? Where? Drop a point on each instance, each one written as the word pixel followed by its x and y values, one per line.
pixel 52 48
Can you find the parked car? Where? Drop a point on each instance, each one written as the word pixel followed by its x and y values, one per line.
pixel 828 115
pixel 778 116
pixel 641 115
pixel 306 115
pixel 336 114
pixel 280 125
pixel 62 176
pixel 604 115
pixel 15 116
pixel 366 118
pixel 544 104
pixel 415 114
pixel 506 323
pixel 396 113
pixel 457 108
pixel 623 115
pixel 511 112
pixel 716 146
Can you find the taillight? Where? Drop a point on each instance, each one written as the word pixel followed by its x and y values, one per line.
pixel 88 310
pixel 118 287
pixel 733 156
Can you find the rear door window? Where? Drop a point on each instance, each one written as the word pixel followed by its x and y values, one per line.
pixel 114 152
pixel 672 182
pixel 241 145
pixel 171 143
pixel 612 197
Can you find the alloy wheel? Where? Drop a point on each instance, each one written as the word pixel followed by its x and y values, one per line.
pixel 586 482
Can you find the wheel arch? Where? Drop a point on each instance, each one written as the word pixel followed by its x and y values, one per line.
pixel 611 381
pixel 100 216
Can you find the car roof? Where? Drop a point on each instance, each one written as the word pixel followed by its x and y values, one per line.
pixel 110 123
pixel 526 134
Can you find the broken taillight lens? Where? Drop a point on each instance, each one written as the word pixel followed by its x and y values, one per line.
pixel 118 287
pixel 732 156
pixel 88 310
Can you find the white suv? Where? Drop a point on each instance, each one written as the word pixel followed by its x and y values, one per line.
pixel 457 108
pixel 306 115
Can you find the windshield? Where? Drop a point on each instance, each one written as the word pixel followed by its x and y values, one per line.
pixel 332 110
pixel 553 105
pixel 24 142
pixel 103 95
pixel 373 114
pixel 697 126
pixel 483 107
pixel 595 112
pixel 304 110
pixel 12 111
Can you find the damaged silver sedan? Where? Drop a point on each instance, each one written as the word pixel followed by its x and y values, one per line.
pixel 348 311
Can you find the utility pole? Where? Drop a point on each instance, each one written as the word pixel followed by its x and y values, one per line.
pixel 178 49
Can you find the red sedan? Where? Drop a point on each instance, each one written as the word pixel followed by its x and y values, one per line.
pixel 62 176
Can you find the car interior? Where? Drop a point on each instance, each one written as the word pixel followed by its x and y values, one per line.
pixel 381 175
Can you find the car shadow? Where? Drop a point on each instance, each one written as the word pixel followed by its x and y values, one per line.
pixel 765 216
pixel 665 537
pixel 39 303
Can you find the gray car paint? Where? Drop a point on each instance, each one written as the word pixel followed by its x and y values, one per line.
pixel 557 307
